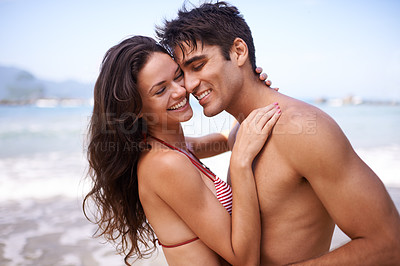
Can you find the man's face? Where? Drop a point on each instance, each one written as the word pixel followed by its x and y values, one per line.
pixel 212 79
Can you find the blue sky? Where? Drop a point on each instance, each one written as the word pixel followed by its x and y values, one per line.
pixel 310 48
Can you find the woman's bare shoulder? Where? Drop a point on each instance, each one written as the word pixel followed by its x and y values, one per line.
pixel 155 165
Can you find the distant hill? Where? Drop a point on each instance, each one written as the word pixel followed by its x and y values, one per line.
pixel 20 86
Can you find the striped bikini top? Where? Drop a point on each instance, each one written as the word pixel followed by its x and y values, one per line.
pixel 223 190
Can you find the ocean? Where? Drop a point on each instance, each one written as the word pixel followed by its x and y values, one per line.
pixel 42 169
pixel 373 131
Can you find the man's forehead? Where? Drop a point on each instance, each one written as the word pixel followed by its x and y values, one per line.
pixel 187 50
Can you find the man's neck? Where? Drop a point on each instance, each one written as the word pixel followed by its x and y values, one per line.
pixel 254 94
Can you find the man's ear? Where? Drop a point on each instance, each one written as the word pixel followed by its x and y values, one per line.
pixel 240 52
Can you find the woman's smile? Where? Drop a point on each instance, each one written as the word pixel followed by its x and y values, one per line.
pixel 179 106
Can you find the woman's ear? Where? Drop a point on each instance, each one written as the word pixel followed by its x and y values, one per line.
pixel 240 51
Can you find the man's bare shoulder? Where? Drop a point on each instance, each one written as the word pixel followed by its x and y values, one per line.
pixel 305 134
pixel 303 125
pixel 298 118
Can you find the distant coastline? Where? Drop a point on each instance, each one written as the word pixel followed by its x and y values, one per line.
pixel 353 100
pixel 49 102
pixel 19 88
pixel 74 102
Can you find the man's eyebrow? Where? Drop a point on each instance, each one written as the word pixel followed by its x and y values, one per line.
pixel 193 59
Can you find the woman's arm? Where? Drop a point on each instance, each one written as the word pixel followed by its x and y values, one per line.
pixel 179 184
pixel 208 145
pixel 246 224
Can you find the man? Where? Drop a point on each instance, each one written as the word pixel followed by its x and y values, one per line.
pixel 308 176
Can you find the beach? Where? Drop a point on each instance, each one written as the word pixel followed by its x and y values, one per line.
pixel 54 232
pixel 42 179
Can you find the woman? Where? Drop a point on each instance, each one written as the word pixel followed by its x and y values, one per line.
pixel 146 180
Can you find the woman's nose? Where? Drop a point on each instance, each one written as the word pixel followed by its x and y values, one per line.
pixel 179 90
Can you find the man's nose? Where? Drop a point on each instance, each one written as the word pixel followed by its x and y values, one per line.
pixel 191 83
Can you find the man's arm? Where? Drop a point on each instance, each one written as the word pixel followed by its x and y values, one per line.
pixel 351 192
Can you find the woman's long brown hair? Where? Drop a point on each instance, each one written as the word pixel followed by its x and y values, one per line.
pixel 115 140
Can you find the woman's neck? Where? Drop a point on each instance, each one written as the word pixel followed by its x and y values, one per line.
pixel 172 135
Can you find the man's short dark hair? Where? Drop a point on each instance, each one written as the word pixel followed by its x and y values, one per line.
pixel 211 24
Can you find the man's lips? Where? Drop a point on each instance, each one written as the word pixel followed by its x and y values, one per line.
pixel 202 95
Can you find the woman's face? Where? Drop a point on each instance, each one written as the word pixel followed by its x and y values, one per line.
pixel 161 87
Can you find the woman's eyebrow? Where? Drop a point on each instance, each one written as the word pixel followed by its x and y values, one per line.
pixel 155 85
pixel 177 69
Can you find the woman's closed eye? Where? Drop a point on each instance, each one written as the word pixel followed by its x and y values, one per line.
pixel 179 76
pixel 160 91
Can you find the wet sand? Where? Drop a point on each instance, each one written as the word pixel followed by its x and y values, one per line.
pixel 54 232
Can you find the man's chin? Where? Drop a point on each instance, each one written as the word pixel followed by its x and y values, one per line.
pixel 210 113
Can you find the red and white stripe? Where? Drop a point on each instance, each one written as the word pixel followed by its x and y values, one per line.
pixel 223 190
pixel 224 193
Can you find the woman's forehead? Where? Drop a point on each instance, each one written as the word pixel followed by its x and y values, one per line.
pixel 159 67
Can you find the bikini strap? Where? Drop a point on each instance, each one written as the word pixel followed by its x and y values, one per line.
pixel 177 245
pixel 204 169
